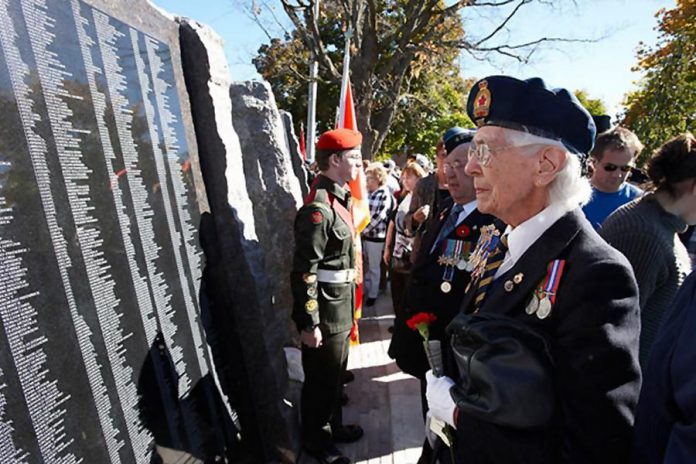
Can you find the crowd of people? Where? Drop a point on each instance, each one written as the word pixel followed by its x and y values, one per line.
pixel 557 282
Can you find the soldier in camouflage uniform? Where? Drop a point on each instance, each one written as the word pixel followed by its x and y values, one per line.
pixel 323 286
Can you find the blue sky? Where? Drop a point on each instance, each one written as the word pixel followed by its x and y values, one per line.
pixel 603 68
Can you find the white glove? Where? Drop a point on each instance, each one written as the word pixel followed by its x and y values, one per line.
pixel 440 402
pixel 429 433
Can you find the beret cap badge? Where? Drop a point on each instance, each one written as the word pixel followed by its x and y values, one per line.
pixel 482 102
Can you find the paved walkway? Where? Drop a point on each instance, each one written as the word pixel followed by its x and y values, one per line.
pixel 383 400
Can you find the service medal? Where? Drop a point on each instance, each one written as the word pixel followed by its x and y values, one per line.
pixel 544 308
pixel 446 287
pixel 462 264
pixel 532 306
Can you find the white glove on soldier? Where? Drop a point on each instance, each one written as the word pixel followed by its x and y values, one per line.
pixel 440 402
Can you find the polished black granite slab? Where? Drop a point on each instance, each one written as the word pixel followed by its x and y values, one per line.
pixel 102 345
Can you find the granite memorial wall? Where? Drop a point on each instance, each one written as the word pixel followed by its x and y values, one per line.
pixel 103 349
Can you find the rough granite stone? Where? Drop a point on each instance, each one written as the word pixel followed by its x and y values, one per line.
pixel 298 165
pixel 255 363
pixel 273 187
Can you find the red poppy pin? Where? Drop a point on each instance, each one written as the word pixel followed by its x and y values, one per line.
pixel 317 217
pixel 463 231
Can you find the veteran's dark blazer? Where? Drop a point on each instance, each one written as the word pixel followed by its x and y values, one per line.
pixel 423 293
pixel 593 331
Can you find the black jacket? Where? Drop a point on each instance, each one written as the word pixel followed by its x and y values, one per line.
pixel 593 332
pixel 424 294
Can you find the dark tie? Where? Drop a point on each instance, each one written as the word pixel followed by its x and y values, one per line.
pixel 495 260
pixel 448 226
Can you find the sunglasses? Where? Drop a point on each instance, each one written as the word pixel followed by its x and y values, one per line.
pixel 613 167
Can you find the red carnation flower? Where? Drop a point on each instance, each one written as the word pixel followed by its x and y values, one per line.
pixel 420 322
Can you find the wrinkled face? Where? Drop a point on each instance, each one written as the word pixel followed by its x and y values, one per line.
pixel 612 171
pixel 349 164
pixel 505 185
pixel 459 183
pixel 409 180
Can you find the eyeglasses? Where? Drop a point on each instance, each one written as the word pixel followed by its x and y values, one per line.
pixel 455 165
pixel 352 155
pixel 483 152
pixel 609 167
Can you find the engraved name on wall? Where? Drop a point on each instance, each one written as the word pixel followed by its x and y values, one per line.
pixel 99 265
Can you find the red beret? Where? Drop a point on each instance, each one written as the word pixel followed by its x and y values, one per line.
pixel 339 139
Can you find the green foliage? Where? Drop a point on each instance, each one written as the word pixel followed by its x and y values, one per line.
pixel 595 106
pixel 665 104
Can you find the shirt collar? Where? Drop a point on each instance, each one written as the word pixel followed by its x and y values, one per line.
pixel 467 209
pixel 524 235
pixel 332 187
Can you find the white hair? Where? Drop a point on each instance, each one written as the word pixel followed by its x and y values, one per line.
pixel 570 188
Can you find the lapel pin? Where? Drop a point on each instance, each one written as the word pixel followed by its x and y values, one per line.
pixel 508 285
pixel 518 278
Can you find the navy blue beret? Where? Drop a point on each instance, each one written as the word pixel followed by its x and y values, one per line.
pixel 456 136
pixel 531 106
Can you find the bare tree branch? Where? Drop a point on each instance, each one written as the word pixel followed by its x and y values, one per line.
pixel 502 3
pixel 505 21
pixel 253 12
pixel 309 33
pixel 508 50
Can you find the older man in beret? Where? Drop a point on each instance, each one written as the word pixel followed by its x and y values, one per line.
pixel 323 286
pixel 543 365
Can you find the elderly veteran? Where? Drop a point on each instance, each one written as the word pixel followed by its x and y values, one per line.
pixel 543 358
pixel 323 287
pixel 442 269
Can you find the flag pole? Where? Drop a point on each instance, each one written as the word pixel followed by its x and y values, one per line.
pixel 345 77
pixel 312 99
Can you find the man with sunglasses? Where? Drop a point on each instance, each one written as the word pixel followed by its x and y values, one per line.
pixel 542 365
pixel 612 159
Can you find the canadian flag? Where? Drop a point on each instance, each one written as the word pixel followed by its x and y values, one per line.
pixel 358 190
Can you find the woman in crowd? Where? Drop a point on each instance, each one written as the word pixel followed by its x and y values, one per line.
pixel 399 244
pixel 373 236
pixel 646 232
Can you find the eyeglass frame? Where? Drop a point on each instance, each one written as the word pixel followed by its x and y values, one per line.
pixel 350 154
pixel 485 159
pixel 456 165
